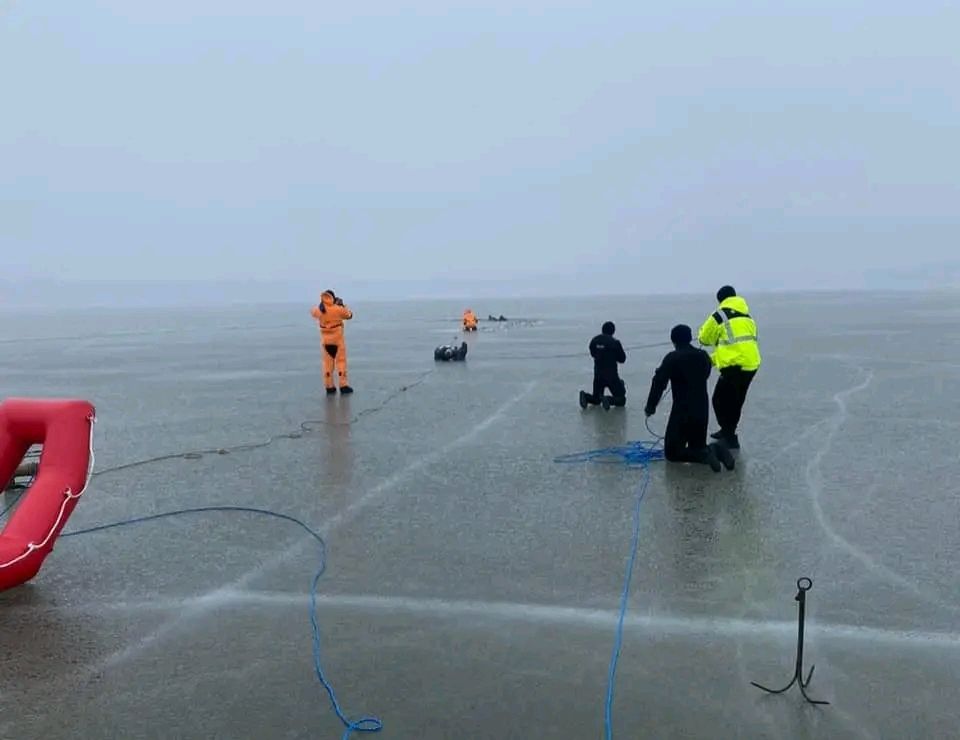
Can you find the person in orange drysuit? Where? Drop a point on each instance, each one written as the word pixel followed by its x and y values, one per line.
pixel 330 314
pixel 469 320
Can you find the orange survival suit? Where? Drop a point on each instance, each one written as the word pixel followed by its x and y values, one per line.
pixel 469 320
pixel 330 314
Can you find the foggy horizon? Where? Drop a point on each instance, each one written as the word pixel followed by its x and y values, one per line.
pixel 425 148
pixel 204 293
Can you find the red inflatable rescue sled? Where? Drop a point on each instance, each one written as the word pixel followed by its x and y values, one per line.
pixel 65 429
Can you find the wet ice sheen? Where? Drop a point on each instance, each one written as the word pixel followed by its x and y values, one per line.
pixel 472 583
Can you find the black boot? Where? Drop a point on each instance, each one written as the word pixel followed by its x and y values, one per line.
pixel 606 403
pixel 722 453
pixel 331 391
pixel 710 458
pixel 583 399
pixel 345 390
pixel 730 440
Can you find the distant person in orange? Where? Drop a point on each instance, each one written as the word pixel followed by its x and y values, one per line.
pixel 330 314
pixel 469 320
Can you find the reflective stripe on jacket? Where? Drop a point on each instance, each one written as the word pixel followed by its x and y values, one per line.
pixel 733 332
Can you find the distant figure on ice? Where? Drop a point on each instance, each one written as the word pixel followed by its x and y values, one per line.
pixel 607 353
pixel 687 370
pixel 491 317
pixel 733 332
pixel 330 314
pixel 469 320
pixel 449 353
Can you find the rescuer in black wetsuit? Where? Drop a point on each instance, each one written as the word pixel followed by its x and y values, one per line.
pixel 607 353
pixel 449 353
pixel 686 370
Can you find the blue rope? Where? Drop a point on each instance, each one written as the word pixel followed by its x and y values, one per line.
pixel 624 596
pixel 366 724
pixel 633 454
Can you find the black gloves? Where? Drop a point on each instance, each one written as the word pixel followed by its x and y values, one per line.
pixel 338 301
pixel 649 411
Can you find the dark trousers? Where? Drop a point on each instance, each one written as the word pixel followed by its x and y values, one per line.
pixel 686 438
pixel 601 382
pixel 729 395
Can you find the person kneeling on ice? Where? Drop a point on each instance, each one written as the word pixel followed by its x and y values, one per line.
pixel 607 353
pixel 330 314
pixel 687 370
pixel 449 353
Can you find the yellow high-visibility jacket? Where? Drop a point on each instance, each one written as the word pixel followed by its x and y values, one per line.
pixel 733 333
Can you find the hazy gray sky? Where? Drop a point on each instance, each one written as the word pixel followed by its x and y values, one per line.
pixel 654 146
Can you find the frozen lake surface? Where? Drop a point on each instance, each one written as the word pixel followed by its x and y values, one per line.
pixel 472 584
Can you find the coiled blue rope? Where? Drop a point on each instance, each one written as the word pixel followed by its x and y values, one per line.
pixel 633 454
pixel 366 724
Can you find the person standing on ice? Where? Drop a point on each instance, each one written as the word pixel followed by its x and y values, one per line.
pixel 687 370
pixel 733 332
pixel 607 354
pixel 330 314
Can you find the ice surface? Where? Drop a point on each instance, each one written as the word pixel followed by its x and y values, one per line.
pixel 472 584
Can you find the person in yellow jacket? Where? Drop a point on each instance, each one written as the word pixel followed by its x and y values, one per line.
pixel 469 320
pixel 330 314
pixel 732 331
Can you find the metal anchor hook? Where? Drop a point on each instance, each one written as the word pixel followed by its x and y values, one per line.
pixel 803 585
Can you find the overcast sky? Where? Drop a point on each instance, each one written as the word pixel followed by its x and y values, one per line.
pixel 622 145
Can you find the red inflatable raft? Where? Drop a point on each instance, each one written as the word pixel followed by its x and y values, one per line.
pixel 65 429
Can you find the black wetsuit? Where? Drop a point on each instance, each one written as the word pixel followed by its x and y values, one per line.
pixel 686 370
pixel 607 353
pixel 448 353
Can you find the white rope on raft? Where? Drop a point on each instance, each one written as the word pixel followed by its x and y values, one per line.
pixel 68 495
